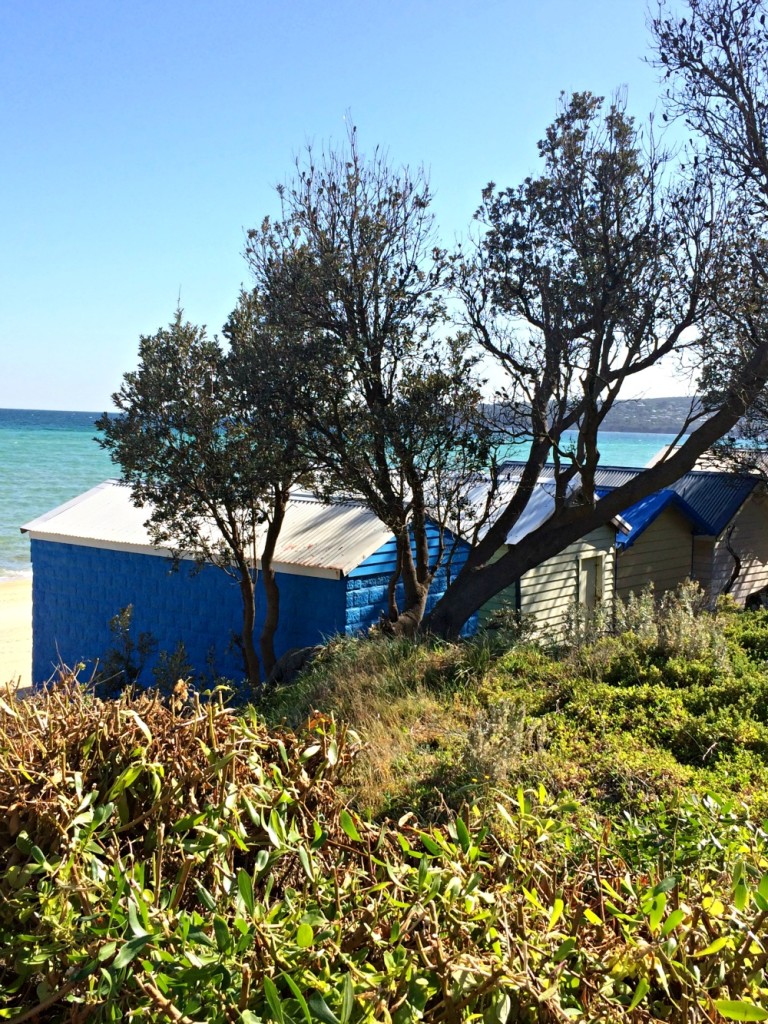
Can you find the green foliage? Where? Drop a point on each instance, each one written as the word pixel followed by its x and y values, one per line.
pixel 354 283
pixel 124 662
pixel 192 865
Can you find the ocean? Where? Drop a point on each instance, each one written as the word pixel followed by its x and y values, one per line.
pixel 46 458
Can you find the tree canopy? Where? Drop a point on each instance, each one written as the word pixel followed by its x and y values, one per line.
pixel 358 353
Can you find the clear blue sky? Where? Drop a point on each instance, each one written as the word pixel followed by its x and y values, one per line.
pixel 141 139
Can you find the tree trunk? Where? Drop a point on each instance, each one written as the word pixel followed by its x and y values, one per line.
pixel 415 592
pixel 250 657
pixel 271 589
pixel 479 581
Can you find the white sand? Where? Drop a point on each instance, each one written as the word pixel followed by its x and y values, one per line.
pixel 16 632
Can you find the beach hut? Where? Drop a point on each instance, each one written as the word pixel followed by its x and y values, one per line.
pixel 92 557
pixel 581 576
pixel 710 526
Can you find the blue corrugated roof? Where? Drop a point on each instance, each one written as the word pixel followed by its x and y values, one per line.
pixel 709 499
pixel 644 512
pixel 715 497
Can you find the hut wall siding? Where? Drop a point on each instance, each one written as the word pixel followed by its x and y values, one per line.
pixel 662 554
pixel 384 560
pixel 548 591
pixel 367 600
pixel 78 589
pixel 750 541
pixel 551 590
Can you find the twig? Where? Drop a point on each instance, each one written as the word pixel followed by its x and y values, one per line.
pixel 50 1000
pixel 163 1003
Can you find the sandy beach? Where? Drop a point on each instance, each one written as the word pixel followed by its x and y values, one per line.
pixel 15 631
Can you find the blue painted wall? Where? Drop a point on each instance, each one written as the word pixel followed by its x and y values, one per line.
pixel 367 584
pixel 77 590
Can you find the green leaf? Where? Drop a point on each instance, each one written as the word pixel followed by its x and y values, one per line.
pixel 106 951
pixel 133 919
pixel 564 949
pixel 206 898
pixel 462 834
pixel 130 950
pixel 557 911
pixel 125 779
pixel 739 1009
pixel 656 911
pixel 741 894
pixel 345 820
pixel 347 1000
pixel 665 885
pixel 306 863
pixel 322 1010
pixel 245 888
pixel 305 935
pixel 763 887
pixel 298 997
pixel 430 845
pixel 672 921
pixel 221 933
pixel 714 947
pixel 273 999
pixel 640 991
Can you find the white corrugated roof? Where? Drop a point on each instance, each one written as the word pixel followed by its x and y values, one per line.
pixel 539 509
pixel 317 539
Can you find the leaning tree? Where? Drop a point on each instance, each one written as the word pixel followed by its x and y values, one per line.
pixel 582 278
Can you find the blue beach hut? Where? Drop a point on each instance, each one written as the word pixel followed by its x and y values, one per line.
pixel 93 556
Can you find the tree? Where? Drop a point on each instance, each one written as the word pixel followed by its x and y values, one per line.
pixel 584 277
pixel 715 62
pixel 264 394
pixel 351 280
pixel 207 471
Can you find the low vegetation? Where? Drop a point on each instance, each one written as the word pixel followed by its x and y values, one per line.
pixel 414 831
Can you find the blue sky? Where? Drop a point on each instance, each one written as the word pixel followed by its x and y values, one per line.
pixel 140 140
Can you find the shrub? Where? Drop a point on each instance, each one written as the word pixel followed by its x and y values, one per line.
pixel 189 864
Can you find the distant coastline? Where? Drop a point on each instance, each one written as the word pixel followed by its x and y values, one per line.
pixel 648 415
pixel 641 415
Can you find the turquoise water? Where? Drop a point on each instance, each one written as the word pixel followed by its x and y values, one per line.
pixel 46 458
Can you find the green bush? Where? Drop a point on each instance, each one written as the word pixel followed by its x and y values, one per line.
pixel 185 863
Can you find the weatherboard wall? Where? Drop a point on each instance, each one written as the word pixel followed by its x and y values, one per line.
pixel 750 542
pixel 662 554
pixel 77 589
pixel 367 585
pixel 550 590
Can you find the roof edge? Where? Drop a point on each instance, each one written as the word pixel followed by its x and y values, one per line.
pixel 288 568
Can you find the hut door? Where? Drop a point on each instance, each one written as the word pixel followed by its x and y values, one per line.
pixel 590 582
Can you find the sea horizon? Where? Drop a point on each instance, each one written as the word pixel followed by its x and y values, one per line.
pixel 49 456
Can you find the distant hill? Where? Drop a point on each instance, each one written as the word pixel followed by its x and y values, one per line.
pixel 648 415
pixel 640 415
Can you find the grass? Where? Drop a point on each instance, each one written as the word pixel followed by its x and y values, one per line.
pixel 617 721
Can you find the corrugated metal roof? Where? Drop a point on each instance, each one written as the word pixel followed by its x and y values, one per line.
pixel 540 507
pixel 316 538
pixel 640 515
pixel 715 497
pixel 712 498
